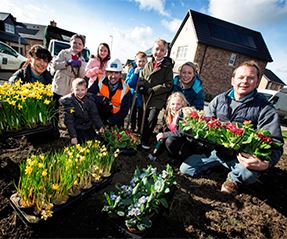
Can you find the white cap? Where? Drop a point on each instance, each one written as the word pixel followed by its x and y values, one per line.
pixel 114 65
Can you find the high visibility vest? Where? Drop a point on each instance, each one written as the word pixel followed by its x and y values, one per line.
pixel 117 97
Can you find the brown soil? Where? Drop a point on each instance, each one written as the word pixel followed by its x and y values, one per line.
pixel 198 209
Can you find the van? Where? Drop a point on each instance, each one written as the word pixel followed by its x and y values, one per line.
pixel 55 46
pixel 9 58
pixel 278 99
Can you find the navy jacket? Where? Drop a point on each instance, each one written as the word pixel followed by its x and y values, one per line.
pixel 80 114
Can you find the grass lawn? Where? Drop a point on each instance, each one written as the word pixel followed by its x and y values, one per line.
pixel 284 133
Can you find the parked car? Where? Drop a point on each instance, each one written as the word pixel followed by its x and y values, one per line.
pixel 9 58
pixel 279 100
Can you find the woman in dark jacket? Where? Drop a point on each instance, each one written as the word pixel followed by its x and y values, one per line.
pixel 189 83
pixel 35 68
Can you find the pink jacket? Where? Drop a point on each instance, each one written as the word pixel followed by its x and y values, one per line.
pixel 93 70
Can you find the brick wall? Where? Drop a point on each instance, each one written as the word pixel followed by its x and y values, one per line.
pixel 214 69
pixel 32 42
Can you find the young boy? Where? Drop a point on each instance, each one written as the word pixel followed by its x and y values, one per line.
pixel 112 95
pixel 132 80
pixel 155 84
pixel 81 113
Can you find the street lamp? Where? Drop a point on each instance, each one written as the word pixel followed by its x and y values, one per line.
pixel 112 38
pixel 19 43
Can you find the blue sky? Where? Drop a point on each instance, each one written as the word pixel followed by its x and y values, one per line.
pixel 132 25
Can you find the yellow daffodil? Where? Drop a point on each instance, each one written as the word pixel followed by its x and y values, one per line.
pixel 47 102
pixel 55 186
pixel 44 173
pixel 28 170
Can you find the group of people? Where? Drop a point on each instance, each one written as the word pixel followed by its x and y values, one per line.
pixel 96 95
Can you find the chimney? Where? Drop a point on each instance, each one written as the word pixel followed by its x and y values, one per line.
pixel 53 23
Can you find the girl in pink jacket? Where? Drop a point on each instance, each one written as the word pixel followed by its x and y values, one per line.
pixel 96 66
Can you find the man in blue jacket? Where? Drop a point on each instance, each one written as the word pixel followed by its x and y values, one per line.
pixel 240 103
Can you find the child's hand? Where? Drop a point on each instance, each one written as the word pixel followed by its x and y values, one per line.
pixel 74 63
pixel 159 136
pixel 102 130
pixel 74 141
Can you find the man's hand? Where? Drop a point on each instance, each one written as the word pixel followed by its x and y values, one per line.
pixel 107 103
pixel 251 162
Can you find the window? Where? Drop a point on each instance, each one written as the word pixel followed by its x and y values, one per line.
pixel 232 59
pixel 6 50
pixel 232 35
pixel 9 28
pixel 181 52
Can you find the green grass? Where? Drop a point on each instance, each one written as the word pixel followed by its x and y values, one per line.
pixel 284 133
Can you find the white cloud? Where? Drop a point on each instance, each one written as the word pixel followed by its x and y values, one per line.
pixel 172 25
pixel 249 13
pixel 127 42
pixel 156 5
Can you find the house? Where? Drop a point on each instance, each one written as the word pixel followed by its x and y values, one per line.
pixel 9 33
pixel 33 33
pixel 218 47
pixel 270 81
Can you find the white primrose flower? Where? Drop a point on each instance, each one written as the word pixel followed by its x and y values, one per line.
pixel 134 212
pixel 164 174
pixel 142 200
pixel 113 197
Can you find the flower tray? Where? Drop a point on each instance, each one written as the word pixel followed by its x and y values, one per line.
pixel 128 152
pixel 224 153
pixel 30 219
pixel 49 129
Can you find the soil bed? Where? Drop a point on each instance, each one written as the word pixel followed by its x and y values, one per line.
pixel 198 210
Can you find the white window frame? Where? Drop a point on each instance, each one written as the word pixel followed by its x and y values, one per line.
pixel 9 28
pixel 181 52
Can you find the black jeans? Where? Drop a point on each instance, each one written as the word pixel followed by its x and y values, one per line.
pixel 149 124
pixel 180 147
pixel 136 118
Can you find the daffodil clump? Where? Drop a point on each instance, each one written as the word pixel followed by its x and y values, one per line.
pixel 49 179
pixel 145 194
pixel 25 106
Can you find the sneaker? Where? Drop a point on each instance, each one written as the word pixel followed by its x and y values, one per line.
pixel 146 147
pixel 229 186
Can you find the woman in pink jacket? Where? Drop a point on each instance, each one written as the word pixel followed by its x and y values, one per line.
pixel 96 66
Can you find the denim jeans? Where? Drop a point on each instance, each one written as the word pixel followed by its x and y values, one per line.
pixel 196 164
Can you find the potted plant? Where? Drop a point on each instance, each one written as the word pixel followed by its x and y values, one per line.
pixel 25 106
pixel 124 140
pixel 139 201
